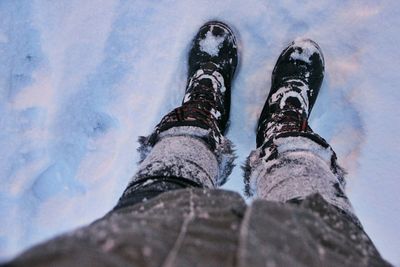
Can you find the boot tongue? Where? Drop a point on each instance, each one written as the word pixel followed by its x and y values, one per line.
pixel 292 103
pixel 293 96
pixel 288 111
pixel 288 120
pixel 206 82
pixel 209 67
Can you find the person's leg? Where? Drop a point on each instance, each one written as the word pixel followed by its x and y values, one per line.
pixel 187 148
pixel 292 162
pixel 302 215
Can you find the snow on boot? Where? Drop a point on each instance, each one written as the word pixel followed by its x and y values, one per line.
pixel 296 80
pixel 203 115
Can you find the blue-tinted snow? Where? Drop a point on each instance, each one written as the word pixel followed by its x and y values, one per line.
pixel 80 80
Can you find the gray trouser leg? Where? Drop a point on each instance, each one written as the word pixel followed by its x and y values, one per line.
pixel 294 167
pixel 180 157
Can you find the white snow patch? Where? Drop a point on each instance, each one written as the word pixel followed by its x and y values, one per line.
pixel 216 113
pixel 308 49
pixel 211 44
pixel 283 93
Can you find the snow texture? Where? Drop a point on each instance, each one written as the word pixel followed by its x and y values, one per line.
pixel 211 44
pixel 307 50
pixel 80 80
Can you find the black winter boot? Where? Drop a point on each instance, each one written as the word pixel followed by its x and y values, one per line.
pixel 212 63
pixel 290 161
pixel 203 116
pixel 296 80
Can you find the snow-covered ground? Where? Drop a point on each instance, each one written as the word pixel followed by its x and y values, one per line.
pixel 81 80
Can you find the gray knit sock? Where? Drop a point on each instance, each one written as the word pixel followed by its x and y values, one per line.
pixel 294 167
pixel 184 152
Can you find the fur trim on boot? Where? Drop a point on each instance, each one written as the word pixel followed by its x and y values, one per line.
pixel 223 151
